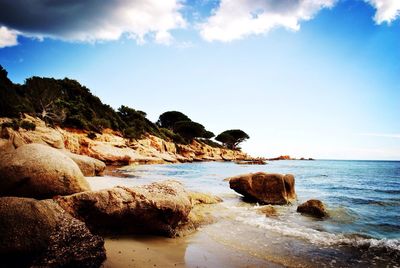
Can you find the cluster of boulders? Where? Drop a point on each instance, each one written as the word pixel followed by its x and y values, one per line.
pixel 49 217
pixel 273 189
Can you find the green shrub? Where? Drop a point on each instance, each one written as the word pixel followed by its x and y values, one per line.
pixel 92 135
pixel 170 135
pixel 13 124
pixel 77 121
pixel 27 125
pixel 101 123
pixel 131 133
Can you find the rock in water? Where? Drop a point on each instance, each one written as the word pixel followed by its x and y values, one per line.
pixel 41 234
pixel 89 166
pixel 267 210
pixel 39 171
pixel 314 208
pixel 275 189
pixel 203 198
pixel 157 208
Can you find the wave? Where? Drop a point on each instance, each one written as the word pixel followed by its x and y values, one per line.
pixel 367 201
pixel 387 191
pixel 319 237
pixel 287 227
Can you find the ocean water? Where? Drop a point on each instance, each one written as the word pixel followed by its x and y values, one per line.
pixel 362 198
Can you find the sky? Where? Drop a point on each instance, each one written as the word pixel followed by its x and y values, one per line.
pixel 306 78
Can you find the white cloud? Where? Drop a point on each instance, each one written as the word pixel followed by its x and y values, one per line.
pixel 92 20
pixel 386 10
pixel 163 37
pixel 381 135
pixel 8 37
pixel 235 19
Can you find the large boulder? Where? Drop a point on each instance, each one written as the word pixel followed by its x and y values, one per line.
pixel 275 189
pixel 313 207
pixel 89 166
pixel 157 208
pixel 39 171
pixel 41 234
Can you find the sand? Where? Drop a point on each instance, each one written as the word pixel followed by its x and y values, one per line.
pixel 201 249
pixel 197 250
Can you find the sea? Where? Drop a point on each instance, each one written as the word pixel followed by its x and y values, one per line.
pixel 362 199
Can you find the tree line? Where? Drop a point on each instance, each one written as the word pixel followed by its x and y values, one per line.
pixel 65 102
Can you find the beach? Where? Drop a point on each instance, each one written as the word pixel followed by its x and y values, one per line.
pixel 242 237
pixel 197 250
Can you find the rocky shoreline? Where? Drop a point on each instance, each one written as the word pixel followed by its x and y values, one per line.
pixel 111 148
pixel 49 216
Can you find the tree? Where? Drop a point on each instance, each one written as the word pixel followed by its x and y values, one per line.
pixel 135 120
pixel 44 95
pixel 11 101
pixel 189 129
pixel 208 135
pixel 232 138
pixel 170 118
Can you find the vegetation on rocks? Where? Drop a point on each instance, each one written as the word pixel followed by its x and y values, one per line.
pixel 232 138
pixel 66 103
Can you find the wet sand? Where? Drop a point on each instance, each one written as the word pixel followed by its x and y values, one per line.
pixel 145 251
pixel 197 250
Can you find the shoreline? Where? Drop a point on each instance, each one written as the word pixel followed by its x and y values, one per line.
pixel 195 250
pixel 285 240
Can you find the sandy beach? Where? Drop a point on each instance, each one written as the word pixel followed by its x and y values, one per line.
pixel 197 250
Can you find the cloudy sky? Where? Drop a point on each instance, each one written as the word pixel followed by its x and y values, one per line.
pixel 313 78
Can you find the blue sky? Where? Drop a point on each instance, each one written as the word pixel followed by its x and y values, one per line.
pixel 305 78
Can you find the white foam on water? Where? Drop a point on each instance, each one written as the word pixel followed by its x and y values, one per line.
pixel 313 236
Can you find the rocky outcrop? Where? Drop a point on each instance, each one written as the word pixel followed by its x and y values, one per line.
pixel 282 157
pixel 275 189
pixel 42 134
pixel 157 208
pixel 41 234
pixel 267 210
pixel 39 171
pixel 89 166
pixel 251 162
pixel 111 148
pixel 313 208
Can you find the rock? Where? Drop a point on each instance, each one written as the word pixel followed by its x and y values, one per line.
pixel 202 198
pixel 39 171
pixel 251 162
pixel 268 210
pixel 275 189
pixel 6 147
pixel 157 208
pixel 313 208
pixel 41 234
pixel 282 157
pixel 121 156
pixel 89 166
pixel 42 134
pixel 201 213
pixel 112 148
